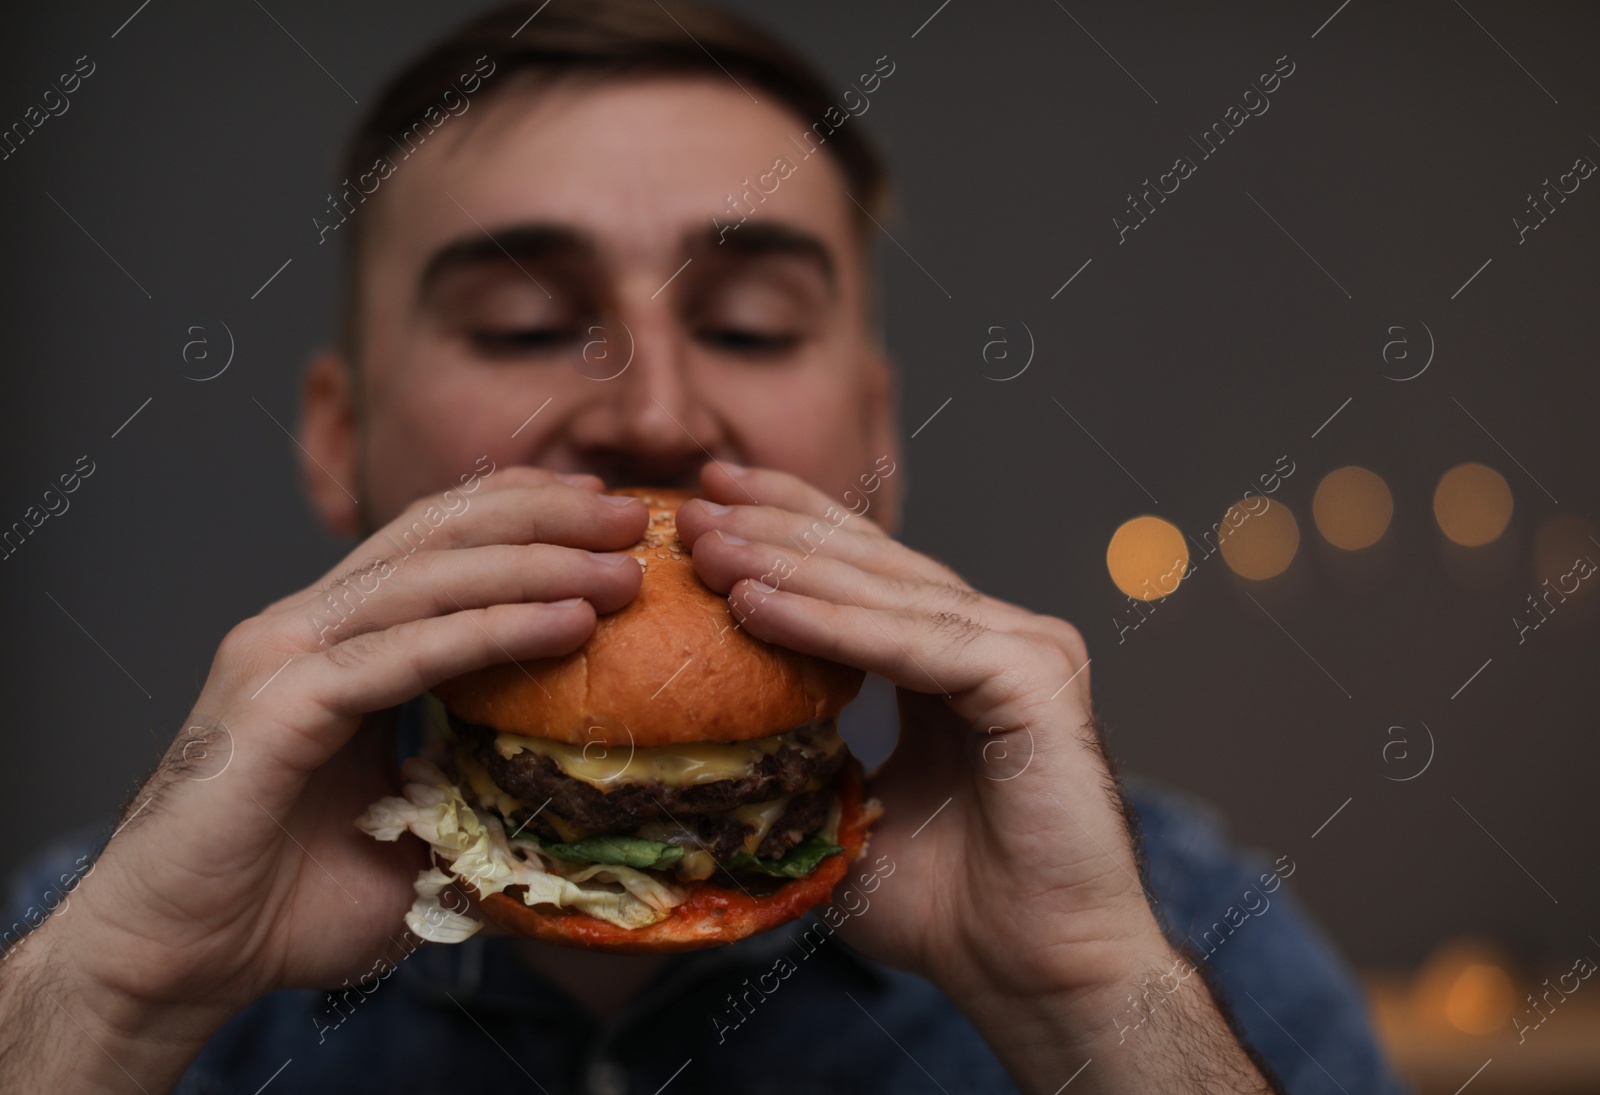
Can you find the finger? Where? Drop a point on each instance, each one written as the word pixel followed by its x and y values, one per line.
pixel 996 677
pixel 1064 637
pixel 522 475
pixel 733 485
pixel 436 583
pixel 552 513
pixel 839 537
pixel 915 651
pixel 722 559
pixel 327 691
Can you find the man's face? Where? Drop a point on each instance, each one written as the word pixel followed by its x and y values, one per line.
pixel 515 266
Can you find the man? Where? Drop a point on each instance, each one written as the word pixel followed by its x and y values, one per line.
pixel 562 277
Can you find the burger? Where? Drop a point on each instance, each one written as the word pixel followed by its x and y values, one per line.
pixel 673 784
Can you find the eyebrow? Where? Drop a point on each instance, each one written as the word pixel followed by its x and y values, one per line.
pixel 758 239
pixel 527 243
pixel 541 242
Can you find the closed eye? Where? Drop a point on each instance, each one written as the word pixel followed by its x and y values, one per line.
pixel 737 340
pixel 525 340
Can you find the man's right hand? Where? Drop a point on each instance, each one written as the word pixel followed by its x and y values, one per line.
pixel 225 884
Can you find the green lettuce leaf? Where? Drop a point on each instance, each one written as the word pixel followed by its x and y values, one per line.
pixel 624 851
pixel 802 859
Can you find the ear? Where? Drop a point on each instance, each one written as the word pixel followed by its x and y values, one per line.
pixel 329 438
pixel 880 408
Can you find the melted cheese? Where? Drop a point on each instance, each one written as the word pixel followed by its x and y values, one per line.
pixel 673 765
pixel 488 792
pixel 565 829
pixel 696 864
pixel 760 817
pixel 830 828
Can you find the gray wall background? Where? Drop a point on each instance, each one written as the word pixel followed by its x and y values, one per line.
pixel 1195 354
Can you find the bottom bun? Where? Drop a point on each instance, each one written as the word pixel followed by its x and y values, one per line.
pixel 712 915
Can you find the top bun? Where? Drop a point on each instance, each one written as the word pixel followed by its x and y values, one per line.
pixel 670 667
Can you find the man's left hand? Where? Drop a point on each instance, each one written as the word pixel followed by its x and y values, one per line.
pixel 1016 886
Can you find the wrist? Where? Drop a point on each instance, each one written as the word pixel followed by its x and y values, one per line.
pixel 1121 1007
pixel 1082 960
pixel 64 1029
pixel 1077 1010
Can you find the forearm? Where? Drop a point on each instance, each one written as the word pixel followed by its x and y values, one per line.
pixel 60 1032
pixel 1159 1030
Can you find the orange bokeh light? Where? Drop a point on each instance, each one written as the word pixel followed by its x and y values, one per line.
pixel 1258 538
pixel 1472 504
pixel 1558 546
pixel 1352 508
pixel 1466 985
pixel 1480 999
pixel 1147 557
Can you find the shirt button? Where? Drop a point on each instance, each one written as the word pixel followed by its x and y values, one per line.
pixel 607 1078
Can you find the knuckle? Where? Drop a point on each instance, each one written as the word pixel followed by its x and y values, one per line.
pixel 242 640
pixel 362 579
pixel 1045 664
pixel 415 661
pixel 957 630
pixel 356 651
pixel 957 591
pixel 334 609
pixel 1054 664
pixel 1068 638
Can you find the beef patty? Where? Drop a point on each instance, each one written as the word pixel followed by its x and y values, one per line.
pixel 536 778
pixel 723 835
pixel 803 816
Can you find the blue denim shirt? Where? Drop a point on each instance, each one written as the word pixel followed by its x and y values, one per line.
pixel 789 1012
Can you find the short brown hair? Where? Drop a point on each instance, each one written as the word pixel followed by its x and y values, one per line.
pixel 604 40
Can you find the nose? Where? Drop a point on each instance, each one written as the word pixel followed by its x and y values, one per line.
pixel 648 424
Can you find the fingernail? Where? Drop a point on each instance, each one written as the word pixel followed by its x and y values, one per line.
pixel 619 499
pixel 730 538
pixel 715 509
pixel 577 480
pixel 611 558
pixel 568 603
pixel 735 470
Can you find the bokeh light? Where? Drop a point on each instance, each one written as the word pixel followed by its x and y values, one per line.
pixel 1352 508
pixel 1472 504
pixel 1258 538
pixel 1466 985
pixel 1559 545
pixel 1147 557
pixel 1480 1000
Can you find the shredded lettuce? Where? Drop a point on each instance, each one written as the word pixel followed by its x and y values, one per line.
pixel 429 919
pixel 652 891
pixel 801 860
pixel 627 851
pixel 477 852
